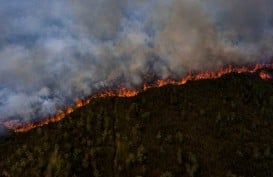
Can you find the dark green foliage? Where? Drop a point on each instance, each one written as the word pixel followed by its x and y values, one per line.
pixel 209 128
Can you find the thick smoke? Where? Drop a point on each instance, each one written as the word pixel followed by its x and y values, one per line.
pixel 53 52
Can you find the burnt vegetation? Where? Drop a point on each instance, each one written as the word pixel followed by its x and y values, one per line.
pixel 208 128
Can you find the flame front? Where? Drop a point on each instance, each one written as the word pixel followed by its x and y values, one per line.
pixel 124 92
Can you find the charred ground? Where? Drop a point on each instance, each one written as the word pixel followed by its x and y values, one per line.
pixel 207 128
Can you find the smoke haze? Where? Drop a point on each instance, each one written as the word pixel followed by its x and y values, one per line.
pixel 53 52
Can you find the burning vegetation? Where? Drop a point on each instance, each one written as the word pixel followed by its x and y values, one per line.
pixel 205 128
pixel 94 88
pixel 53 52
pixel 124 92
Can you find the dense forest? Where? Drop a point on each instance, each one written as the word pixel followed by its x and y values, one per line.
pixel 208 128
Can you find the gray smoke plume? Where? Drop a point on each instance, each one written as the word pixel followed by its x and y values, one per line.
pixel 53 52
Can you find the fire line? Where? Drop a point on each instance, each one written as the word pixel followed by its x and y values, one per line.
pixel 124 92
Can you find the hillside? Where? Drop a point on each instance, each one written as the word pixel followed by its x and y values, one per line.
pixel 208 128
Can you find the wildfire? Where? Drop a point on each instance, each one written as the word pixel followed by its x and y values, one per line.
pixel 124 92
pixel 265 75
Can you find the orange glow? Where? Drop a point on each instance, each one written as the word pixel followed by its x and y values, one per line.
pixel 69 110
pixel 124 92
pixel 79 103
pixel 265 75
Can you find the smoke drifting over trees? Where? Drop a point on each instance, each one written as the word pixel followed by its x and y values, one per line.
pixel 52 52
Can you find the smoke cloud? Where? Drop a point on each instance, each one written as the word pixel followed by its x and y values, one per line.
pixel 53 52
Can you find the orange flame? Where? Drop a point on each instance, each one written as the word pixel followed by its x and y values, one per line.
pixel 265 75
pixel 124 92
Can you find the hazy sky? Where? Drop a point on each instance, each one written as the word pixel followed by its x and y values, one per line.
pixel 52 52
